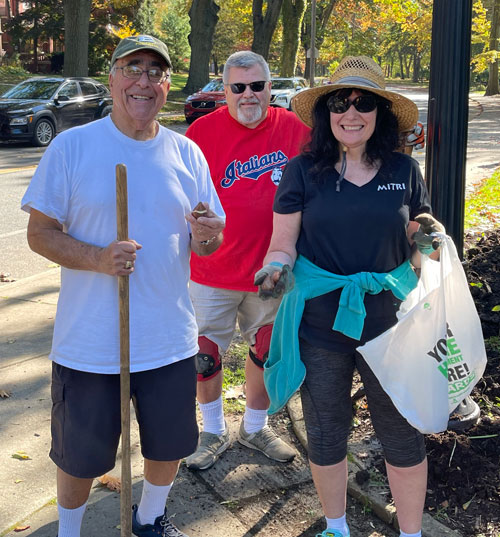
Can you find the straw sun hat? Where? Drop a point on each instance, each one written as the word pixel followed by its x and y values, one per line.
pixel 358 72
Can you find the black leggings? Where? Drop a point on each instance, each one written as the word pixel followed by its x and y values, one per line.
pixel 327 407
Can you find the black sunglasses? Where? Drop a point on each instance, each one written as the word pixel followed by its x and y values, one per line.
pixel 364 103
pixel 239 87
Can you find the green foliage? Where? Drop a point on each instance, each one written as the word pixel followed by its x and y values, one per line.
pixel 13 73
pixel 482 207
pixel 174 30
pixel 43 19
pixel 144 19
pixel 492 344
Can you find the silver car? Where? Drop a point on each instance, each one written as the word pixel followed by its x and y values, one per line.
pixel 283 89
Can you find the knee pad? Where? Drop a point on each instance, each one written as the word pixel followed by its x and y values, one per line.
pixel 262 344
pixel 208 362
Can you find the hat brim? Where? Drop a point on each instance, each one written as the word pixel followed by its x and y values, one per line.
pixel 403 108
pixel 152 49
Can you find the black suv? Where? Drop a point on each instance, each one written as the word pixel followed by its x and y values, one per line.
pixel 38 108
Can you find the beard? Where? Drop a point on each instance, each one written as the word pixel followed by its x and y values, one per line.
pixel 249 115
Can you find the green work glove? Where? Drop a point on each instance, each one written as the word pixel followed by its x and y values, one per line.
pixel 427 243
pixel 268 288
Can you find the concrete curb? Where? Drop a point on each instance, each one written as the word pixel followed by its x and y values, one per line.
pixel 376 502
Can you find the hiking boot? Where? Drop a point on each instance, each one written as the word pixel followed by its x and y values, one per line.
pixel 332 533
pixel 209 450
pixel 161 528
pixel 268 442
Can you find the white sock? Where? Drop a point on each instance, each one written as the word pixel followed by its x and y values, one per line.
pixel 70 521
pixel 338 524
pixel 213 416
pixel 153 500
pixel 254 420
pixel 403 534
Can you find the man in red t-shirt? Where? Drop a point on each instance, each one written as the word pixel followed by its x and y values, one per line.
pixel 247 144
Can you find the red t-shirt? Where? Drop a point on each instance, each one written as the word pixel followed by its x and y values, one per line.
pixel 246 167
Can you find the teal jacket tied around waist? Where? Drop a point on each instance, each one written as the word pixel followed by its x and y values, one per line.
pixel 284 371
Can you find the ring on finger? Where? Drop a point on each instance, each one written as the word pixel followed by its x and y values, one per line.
pixel 128 264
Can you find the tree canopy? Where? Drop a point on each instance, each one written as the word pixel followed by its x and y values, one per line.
pixel 396 33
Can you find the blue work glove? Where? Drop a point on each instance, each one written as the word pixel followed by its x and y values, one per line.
pixel 266 280
pixel 426 242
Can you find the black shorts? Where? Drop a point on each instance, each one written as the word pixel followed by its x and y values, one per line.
pixel 86 423
pixel 327 407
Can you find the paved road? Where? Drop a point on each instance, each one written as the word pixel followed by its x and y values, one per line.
pixel 18 162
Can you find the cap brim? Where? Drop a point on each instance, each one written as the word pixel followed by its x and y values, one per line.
pixel 152 49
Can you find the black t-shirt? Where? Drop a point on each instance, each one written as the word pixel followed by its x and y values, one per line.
pixel 359 229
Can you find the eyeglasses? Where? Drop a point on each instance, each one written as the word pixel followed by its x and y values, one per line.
pixel 364 103
pixel 155 74
pixel 239 87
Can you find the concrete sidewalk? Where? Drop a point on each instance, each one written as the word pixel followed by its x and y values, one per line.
pixel 202 503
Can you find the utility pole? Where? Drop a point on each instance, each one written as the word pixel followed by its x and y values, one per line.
pixel 448 113
pixel 447 136
pixel 312 64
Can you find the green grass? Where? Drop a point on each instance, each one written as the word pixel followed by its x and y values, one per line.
pixel 234 375
pixel 482 207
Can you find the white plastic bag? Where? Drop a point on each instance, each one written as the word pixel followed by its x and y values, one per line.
pixel 434 356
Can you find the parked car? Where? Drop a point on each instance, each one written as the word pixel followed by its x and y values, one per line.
pixel 38 108
pixel 209 98
pixel 284 89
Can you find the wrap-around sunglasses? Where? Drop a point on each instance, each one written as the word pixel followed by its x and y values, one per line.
pixel 240 87
pixel 364 103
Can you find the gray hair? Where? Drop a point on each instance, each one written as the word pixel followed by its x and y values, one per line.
pixel 245 59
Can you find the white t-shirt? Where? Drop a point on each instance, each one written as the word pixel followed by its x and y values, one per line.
pixel 75 184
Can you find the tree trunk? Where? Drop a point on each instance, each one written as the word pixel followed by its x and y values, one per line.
pixel 216 65
pixel 416 67
pixel 203 17
pixel 492 87
pixel 264 26
pixel 76 37
pixel 401 66
pixel 35 41
pixel 293 13
pixel 323 13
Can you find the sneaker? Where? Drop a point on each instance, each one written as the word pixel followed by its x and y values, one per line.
pixel 161 528
pixel 268 442
pixel 332 533
pixel 209 450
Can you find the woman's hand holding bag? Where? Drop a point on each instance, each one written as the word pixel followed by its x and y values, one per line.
pixel 434 356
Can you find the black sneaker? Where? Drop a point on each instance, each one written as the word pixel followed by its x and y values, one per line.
pixel 162 527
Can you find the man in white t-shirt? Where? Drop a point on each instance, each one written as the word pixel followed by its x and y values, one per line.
pixel 71 200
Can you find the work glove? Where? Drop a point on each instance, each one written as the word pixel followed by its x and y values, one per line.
pixel 268 288
pixel 426 242
pixel 416 137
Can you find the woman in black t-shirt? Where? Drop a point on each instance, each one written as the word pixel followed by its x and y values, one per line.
pixel 350 204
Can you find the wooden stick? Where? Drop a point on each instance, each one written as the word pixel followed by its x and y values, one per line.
pixel 123 301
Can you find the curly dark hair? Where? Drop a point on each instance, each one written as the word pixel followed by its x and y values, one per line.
pixel 324 149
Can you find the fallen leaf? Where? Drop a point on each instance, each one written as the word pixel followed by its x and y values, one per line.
pixel 466 505
pixel 21 528
pixel 21 455
pixel 235 392
pixel 112 483
pixel 5 277
pixel 18 481
pixel 4 394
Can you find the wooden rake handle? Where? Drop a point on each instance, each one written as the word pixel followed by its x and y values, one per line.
pixel 124 315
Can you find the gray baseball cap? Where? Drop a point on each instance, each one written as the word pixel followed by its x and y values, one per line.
pixel 131 44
